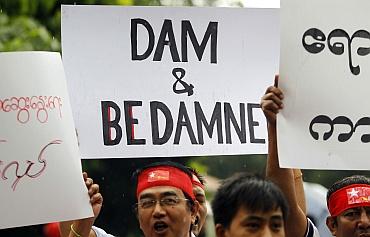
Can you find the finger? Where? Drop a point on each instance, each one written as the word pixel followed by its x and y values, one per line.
pixel 269 106
pixel 271 99
pixel 96 199
pixel 93 189
pixel 274 90
pixel 84 174
pixel 89 182
pixel 269 89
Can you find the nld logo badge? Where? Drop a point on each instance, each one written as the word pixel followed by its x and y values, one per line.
pixel 338 41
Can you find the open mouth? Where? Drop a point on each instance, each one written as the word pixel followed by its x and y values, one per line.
pixel 367 234
pixel 160 226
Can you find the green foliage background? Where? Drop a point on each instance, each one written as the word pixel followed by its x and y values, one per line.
pixel 35 25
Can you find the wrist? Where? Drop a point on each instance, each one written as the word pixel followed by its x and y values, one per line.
pixel 271 127
pixel 74 232
pixel 81 228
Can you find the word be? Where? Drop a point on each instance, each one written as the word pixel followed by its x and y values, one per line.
pixel 342 137
pixel 12 168
pixel 335 46
pixel 39 104
pixel 167 33
pixel 217 121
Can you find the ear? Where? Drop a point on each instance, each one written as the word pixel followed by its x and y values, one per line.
pixel 194 211
pixel 220 230
pixel 331 223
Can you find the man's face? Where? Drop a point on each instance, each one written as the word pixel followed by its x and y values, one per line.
pixel 254 224
pixel 165 219
pixel 200 195
pixel 353 222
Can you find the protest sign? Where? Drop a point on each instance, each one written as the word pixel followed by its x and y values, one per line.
pixel 325 71
pixel 41 179
pixel 169 81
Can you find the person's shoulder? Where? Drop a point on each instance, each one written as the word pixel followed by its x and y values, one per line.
pixel 100 232
pixel 311 229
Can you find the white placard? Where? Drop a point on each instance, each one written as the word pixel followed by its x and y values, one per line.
pixel 325 75
pixel 163 72
pixel 40 169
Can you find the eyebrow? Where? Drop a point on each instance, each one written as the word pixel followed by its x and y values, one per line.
pixel 146 195
pixel 164 194
pixel 169 193
pixel 352 209
pixel 258 218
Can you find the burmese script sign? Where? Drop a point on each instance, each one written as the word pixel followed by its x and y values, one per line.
pixel 325 74
pixel 161 81
pixel 40 170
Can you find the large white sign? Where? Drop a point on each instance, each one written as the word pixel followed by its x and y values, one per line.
pixel 325 74
pixel 159 81
pixel 40 169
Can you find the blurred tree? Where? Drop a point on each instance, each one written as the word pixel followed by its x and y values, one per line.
pixel 24 33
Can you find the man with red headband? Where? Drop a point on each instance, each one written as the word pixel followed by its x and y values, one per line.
pixel 166 204
pixel 348 202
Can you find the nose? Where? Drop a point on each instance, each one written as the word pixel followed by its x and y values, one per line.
pixel 158 210
pixel 364 220
pixel 267 232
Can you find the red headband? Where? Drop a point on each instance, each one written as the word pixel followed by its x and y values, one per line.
pixel 355 195
pixel 164 176
pixel 195 180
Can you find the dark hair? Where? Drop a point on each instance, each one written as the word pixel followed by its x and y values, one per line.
pixel 248 191
pixel 355 179
pixel 199 176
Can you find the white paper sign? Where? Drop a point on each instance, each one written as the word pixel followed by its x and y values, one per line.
pixel 325 75
pixel 40 169
pixel 160 81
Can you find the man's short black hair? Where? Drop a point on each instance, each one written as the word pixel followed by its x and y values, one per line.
pixel 248 191
pixel 355 179
pixel 198 175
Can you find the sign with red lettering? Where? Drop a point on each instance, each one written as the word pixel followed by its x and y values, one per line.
pixel 325 69
pixel 169 81
pixel 39 160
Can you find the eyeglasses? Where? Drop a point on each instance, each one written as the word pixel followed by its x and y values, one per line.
pixel 164 202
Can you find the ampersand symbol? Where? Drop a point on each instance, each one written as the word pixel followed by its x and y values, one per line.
pixel 187 88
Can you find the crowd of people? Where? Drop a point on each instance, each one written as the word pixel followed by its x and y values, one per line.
pixel 171 199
